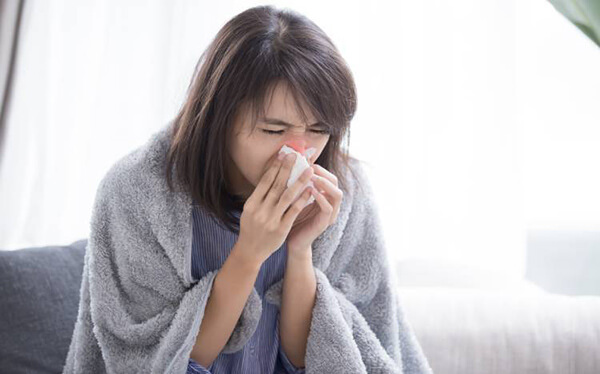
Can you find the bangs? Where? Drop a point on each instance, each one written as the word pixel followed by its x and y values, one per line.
pixel 328 94
pixel 259 103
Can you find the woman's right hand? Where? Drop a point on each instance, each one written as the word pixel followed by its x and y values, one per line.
pixel 266 221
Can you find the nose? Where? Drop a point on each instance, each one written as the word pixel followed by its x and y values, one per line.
pixel 298 143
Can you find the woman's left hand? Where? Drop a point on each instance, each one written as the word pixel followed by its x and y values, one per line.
pixel 302 234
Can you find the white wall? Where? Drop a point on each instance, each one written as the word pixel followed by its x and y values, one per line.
pixel 475 117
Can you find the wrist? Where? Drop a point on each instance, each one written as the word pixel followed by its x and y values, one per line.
pixel 243 257
pixel 300 254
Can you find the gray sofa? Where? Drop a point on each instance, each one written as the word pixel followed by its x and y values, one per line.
pixel 466 322
pixel 39 289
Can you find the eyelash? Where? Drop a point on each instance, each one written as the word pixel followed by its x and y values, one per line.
pixel 280 132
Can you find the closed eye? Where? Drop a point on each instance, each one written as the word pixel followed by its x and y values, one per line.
pixel 280 132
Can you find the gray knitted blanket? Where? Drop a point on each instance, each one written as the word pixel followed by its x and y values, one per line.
pixel 140 310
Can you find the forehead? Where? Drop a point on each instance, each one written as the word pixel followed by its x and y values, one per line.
pixel 281 105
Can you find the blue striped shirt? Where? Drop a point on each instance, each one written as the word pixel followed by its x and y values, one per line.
pixel 263 353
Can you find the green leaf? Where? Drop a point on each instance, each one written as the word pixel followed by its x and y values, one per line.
pixel 585 14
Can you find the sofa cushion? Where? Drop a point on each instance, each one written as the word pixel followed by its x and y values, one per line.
pixel 39 289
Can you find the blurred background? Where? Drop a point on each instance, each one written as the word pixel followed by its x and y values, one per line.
pixel 477 121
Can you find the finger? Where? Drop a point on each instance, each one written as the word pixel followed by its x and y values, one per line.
pixel 324 184
pixel 280 182
pixel 323 202
pixel 335 197
pixel 295 189
pixel 266 181
pixel 308 212
pixel 321 171
pixel 290 216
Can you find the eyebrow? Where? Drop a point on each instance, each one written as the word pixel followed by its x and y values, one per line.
pixel 277 121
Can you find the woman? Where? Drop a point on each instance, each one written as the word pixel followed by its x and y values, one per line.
pixel 202 259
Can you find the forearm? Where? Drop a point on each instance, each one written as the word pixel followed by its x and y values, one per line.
pixel 228 296
pixel 298 298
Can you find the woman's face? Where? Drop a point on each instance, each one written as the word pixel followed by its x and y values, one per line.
pixel 251 152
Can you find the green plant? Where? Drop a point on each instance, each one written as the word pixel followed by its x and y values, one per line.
pixel 585 14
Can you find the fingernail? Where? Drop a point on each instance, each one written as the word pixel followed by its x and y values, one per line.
pixel 281 156
pixel 290 156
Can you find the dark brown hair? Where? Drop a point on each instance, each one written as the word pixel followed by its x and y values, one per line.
pixel 247 58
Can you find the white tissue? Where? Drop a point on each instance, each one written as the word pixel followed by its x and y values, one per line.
pixel 299 166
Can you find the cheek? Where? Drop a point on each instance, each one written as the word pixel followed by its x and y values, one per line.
pixel 320 146
pixel 264 163
pixel 245 160
pixel 257 162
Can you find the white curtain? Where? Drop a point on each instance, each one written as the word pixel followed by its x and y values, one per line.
pixel 94 80
pixel 475 117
